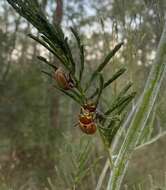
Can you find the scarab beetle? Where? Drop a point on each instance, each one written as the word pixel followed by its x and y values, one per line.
pixel 88 128
pixel 64 80
pixel 87 121
pixel 90 106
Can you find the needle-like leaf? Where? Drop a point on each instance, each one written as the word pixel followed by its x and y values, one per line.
pixel 48 63
pixel 120 103
pixel 103 64
pixel 101 85
pixel 115 76
pixel 107 83
pixel 43 43
pixel 81 48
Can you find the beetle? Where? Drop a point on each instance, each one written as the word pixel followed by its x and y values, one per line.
pixel 64 80
pixel 88 128
pixel 87 121
pixel 90 106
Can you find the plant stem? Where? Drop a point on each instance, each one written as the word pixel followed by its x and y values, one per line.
pixel 107 149
pixel 114 146
pixel 141 115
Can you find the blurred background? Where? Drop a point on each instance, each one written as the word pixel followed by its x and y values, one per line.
pixel 40 146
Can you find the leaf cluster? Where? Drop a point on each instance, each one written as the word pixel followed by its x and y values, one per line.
pixel 53 39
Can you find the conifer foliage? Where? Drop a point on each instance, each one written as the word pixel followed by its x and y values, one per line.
pixel 68 75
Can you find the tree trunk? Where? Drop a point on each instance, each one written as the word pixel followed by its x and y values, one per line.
pixel 58 14
pixel 54 110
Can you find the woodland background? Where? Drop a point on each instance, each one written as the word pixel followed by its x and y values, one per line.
pixel 39 144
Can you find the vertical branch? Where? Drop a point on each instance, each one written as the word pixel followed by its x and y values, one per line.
pixel 114 147
pixel 54 110
pixel 58 14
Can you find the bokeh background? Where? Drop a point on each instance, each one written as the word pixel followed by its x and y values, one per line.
pixel 40 146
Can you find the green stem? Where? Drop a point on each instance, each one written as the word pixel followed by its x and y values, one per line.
pixel 141 115
pixel 107 149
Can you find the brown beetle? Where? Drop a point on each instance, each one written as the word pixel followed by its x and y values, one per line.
pixel 88 128
pixel 87 121
pixel 90 106
pixel 64 81
pixel 85 117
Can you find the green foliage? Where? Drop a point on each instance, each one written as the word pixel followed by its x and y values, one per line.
pixel 53 39
pixel 81 48
pixel 141 115
pixel 103 64
pixel 25 94
pixel 107 83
